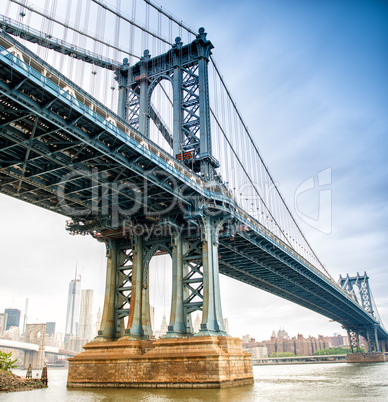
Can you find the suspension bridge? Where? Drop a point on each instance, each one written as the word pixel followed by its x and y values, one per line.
pixel 159 160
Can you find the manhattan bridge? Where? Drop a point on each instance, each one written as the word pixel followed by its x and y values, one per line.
pixel 119 118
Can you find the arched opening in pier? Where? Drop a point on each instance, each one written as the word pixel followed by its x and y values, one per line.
pixel 161 114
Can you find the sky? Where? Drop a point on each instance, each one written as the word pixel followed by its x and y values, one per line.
pixel 310 79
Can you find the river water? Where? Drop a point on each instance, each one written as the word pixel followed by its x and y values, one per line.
pixel 299 382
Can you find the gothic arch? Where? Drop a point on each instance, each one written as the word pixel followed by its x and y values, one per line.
pixel 147 259
pixel 152 86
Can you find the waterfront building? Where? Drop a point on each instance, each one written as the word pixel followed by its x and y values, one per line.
pixel 74 344
pixel 59 338
pixel 282 334
pixel 338 340
pixel 13 334
pixel 258 352
pixel 245 338
pixel 298 346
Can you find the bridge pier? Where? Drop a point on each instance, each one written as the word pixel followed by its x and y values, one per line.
pixel 375 357
pixel 33 358
pixel 210 358
pixel 372 353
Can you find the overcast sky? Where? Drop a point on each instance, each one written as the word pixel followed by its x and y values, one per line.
pixel 310 79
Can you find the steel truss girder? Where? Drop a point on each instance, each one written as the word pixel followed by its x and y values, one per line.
pixel 296 267
pixel 285 282
pixel 362 283
pixel 136 168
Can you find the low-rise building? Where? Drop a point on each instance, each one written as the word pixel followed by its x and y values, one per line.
pixel 282 343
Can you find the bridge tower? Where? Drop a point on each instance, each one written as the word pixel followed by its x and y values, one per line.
pixel 35 333
pixel 189 235
pixel 359 289
pixel 186 67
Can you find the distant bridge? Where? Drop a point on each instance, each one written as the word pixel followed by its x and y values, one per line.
pixel 32 347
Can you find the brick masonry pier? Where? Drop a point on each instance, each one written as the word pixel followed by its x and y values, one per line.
pixel 365 357
pixel 197 362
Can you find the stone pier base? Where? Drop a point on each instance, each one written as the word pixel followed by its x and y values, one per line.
pixel 197 362
pixel 365 357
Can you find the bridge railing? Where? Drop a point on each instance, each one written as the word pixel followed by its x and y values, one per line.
pixel 18 29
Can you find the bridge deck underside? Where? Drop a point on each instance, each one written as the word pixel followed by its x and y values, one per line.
pixel 254 260
pixel 54 154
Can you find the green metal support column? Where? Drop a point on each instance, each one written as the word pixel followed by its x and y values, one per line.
pixel 204 50
pixel 212 320
pixel 145 308
pixel 377 341
pixel 122 86
pixel 358 342
pixel 144 81
pixel 107 329
pixel 177 100
pixel 350 341
pixel 134 327
pixel 177 326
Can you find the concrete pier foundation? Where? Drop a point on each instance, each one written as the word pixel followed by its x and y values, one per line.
pixel 365 357
pixel 197 362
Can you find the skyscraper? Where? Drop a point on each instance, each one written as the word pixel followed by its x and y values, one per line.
pixel 73 307
pixel 3 322
pixel 13 318
pixel 85 327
